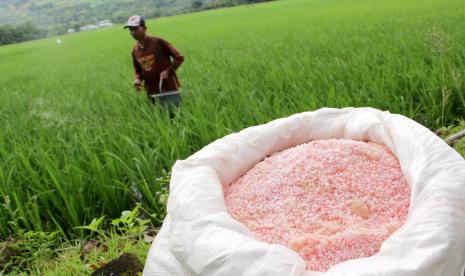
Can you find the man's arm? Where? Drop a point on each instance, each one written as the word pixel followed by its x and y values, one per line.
pixel 174 53
pixel 137 73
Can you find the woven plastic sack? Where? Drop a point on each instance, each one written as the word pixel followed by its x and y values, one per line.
pixel 199 237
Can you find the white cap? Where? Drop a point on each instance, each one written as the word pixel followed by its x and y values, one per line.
pixel 134 21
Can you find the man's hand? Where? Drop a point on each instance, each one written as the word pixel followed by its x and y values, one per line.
pixel 165 75
pixel 137 84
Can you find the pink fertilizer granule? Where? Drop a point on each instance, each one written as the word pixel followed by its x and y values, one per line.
pixel 329 200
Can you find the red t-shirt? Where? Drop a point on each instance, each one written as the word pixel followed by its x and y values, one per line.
pixel 153 56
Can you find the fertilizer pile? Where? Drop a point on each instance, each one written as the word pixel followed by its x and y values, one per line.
pixel 329 200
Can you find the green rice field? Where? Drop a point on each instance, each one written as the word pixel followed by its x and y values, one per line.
pixel 77 142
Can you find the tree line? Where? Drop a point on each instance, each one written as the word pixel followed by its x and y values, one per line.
pixel 213 4
pixel 13 34
pixel 78 15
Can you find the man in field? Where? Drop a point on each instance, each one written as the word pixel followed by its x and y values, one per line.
pixel 155 61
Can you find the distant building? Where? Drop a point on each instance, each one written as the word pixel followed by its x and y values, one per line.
pixel 88 28
pixel 100 24
pixel 71 31
pixel 105 24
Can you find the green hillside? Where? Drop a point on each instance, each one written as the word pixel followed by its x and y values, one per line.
pixel 78 143
pixel 67 13
pixel 59 15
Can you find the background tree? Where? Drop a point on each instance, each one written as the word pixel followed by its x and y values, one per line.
pixel 197 4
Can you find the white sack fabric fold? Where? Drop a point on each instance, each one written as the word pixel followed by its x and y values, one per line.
pixel 199 237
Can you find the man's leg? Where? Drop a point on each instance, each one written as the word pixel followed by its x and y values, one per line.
pixel 151 99
pixel 172 102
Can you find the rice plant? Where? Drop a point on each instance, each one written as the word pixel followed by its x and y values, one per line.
pixel 77 143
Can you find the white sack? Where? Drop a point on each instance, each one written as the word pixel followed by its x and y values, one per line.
pixel 199 237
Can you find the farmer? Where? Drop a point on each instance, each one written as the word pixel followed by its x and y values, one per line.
pixel 151 57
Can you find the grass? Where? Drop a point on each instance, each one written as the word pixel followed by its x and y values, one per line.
pixel 43 254
pixel 447 131
pixel 77 142
pixel 49 253
pixel 70 263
